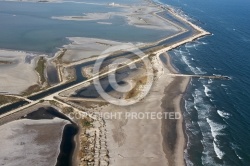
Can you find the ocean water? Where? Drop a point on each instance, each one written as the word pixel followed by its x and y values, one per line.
pixel 217 112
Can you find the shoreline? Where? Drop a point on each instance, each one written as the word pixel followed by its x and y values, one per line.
pixel 174 93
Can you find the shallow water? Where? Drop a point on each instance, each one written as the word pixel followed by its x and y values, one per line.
pixel 28 26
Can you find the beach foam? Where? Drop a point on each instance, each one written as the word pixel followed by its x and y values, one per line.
pixel 216 128
pixel 217 150
pixel 184 58
pixel 207 90
pixel 223 114
pixel 210 81
pixel 210 132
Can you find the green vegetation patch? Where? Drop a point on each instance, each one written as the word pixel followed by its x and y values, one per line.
pixel 135 91
pixel 67 110
pixel 40 69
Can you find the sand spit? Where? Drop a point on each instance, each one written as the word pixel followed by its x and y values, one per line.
pixel 19 74
pixel 84 48
pixel 136 15
pixel 31 142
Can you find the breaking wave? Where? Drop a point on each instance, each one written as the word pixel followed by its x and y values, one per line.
pixel 207 90
pixel 217 150
pixel 216 128
pixel 223 114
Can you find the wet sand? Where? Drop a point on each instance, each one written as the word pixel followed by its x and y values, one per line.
pixel 41 131
pixel 172 131
pixel 19 74
pixel 31 142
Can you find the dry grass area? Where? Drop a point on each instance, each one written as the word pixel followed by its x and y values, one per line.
pixel 90 105
pixel 136 89
pixel 31 89
pixel 5 62
pixel 87 148
pixel 7 99
pixel 40 69
pixel 60 56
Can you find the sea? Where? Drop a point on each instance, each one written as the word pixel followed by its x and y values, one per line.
pixel 216 112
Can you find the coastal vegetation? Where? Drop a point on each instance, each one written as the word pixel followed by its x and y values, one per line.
pixel 7 99
pixel 60 56
pixel 31 89
pixel 67 110
pixel 136 89
pixel 90 105
pixel 40 69
pixel 87 149
pixel 86 134
pixel 5 62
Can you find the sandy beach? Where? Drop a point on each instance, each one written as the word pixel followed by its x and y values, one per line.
pixel 149 141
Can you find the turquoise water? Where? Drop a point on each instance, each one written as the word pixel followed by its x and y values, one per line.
pixel 28 26
pixel 217 115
